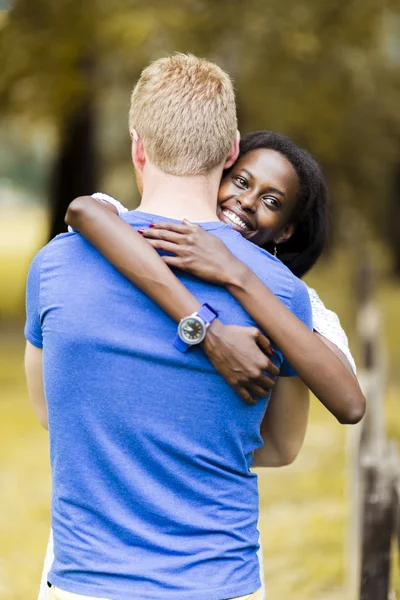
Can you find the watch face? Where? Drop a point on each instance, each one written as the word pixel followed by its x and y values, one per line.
pixel 192 330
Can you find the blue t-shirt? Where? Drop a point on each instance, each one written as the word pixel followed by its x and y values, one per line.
pixel 151 449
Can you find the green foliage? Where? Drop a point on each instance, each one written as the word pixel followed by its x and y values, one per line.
pixel 324 73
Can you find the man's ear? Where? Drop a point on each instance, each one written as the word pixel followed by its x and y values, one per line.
pixel 285 234
pixel 138 153
pixel 233 152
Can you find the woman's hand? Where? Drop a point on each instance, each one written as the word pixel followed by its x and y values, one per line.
pixel 241 356
pixel 195 251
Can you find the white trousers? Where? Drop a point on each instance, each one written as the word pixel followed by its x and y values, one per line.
pixel 56 594
pixel 48 561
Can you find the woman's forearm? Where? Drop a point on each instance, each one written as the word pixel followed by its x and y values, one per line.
pixel 132 255
pixel 284 425
pixel 322 372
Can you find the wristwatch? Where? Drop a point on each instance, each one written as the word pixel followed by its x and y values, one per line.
pixel 192 329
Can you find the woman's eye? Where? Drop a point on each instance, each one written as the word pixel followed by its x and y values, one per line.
pixel 240 180
pixel 271 201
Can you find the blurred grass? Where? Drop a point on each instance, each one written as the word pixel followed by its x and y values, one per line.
pixel 22 232
pixel 24 481
pixel 303 508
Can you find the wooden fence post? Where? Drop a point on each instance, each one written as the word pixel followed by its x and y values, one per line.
pixel 368 437
pixel 371 460
pixel 379 519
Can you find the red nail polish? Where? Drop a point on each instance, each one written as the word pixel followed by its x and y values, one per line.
pixel 151 225
pixel 140 230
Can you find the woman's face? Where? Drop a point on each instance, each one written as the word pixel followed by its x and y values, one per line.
pixel 258 195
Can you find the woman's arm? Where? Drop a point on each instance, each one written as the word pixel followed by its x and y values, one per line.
pixel 238 353
pixel 205 256
pixel 320 369
pixel 285 422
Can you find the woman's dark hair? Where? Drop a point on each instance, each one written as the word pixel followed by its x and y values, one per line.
pixel 311 212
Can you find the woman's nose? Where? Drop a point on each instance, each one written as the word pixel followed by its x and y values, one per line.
pixel 248 202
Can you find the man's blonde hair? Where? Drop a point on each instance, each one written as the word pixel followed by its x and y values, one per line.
pixel 183 107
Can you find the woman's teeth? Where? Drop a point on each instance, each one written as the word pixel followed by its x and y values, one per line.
pixel 235 219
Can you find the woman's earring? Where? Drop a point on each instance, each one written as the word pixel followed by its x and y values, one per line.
pixel 275 250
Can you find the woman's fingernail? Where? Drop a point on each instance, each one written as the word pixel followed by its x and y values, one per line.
pixel 140 230
pixel 151 225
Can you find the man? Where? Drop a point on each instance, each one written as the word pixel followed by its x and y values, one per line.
pixel 150 447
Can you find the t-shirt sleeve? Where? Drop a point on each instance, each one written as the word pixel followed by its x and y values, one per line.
pixel 301 307
pixel 33 326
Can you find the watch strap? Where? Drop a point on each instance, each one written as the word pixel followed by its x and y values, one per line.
pixel 207 313
pixel 180 344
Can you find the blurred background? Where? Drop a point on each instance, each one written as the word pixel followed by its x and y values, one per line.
pixel 327 74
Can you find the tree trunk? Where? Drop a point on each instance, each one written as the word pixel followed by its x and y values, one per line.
pixel 75 169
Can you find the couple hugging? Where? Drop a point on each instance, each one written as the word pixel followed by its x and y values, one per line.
pixel 160 396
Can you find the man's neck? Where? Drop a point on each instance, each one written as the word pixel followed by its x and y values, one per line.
pixel 193 198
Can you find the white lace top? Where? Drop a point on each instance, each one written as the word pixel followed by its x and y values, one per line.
pixel 327 323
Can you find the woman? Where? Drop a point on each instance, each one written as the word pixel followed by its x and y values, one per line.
pixel 275 196
pixel 285 204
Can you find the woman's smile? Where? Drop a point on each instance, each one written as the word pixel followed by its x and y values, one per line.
pixel 258 195
pixel 236 218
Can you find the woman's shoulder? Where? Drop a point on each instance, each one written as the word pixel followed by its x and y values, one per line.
pixel 327 323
